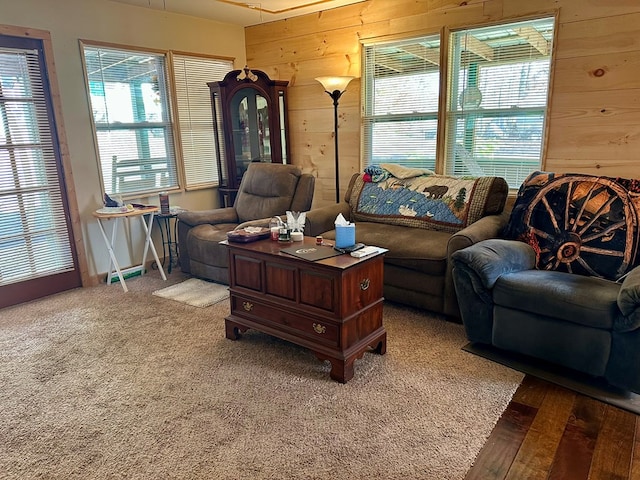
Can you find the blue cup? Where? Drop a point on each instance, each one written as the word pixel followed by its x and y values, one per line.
pixel 345 235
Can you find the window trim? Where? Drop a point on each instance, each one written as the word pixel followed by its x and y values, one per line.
pixel 443 102
pixel 447 33
pixel 366 91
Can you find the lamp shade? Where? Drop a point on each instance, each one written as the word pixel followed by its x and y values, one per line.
pixel 331 84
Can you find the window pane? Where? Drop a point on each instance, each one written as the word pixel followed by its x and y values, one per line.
pixel 195 120
pixel 497 101
pixel 128 95
pixel 410 143
pixel 401 102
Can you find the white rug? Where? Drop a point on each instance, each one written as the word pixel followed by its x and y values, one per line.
pixel 195 292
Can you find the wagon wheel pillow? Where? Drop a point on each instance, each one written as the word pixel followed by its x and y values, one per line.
pixel 578 223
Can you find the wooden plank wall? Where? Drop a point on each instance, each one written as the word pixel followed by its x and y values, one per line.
pixel 594 124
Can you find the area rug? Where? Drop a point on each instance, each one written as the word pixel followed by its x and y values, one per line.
pixel 195 292
pixel 102 384
pixel 576 381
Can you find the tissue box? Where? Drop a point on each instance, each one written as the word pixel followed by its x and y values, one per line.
pixel 345 235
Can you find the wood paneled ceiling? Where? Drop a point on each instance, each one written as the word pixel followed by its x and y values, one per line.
pixel 241 12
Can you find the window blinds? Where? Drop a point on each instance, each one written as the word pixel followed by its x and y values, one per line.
pixel 195 119
pixel 400 101
pixel 34 241
pixel 497 99
pixel 129 98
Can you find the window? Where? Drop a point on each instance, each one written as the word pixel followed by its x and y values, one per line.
pixel 497 99
pixel 191 75
pixel 134 123
pixel 497 90
pixel 129 99
pixel 401 102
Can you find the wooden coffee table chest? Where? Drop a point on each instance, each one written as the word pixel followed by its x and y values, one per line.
pixel 332 307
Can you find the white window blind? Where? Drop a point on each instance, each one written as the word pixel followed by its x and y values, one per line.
pixel 34 241
pixel 401 89
pixel 497 99
pixel 128 96
pixel 195 119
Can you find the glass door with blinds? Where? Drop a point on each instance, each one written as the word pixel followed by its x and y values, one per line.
pixel 37 251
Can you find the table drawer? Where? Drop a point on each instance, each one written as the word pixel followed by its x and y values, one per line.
pixel 301 325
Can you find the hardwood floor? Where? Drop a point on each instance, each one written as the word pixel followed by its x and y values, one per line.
pixel 549 432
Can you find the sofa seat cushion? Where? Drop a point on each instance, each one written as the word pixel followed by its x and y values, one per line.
pixel 587 301
pixel 415 249
pixel 203 242
pixel 433 202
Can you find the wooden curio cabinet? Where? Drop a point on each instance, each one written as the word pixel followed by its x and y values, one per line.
pixel 250 125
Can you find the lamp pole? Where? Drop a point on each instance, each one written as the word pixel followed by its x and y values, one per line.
pixel 335 87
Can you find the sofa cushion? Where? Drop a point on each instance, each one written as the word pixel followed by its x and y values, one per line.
pixel 578 223
pixel 587 301
pixel 411 248
pixel 433 202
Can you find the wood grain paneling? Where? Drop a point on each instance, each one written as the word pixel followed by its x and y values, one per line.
pixel 594 124
pixel 612 71
pixel 593 109
pixel 599 36
pixel 575 10
pixel 607 141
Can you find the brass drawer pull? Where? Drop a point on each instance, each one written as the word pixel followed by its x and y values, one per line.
pixel 248 306
pixel 318 328
pixel 364 284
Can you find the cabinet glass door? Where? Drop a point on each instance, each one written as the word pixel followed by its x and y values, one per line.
pixel 251 136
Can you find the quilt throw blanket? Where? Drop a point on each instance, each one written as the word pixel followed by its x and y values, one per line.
pixel 434 202
pixel 578 223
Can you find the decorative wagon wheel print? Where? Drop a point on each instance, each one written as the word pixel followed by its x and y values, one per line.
pixel 573 217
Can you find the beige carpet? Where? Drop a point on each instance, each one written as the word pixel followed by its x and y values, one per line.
pixel 102 384
pixel 195 292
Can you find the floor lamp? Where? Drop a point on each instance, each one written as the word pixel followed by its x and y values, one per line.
pixel 335 87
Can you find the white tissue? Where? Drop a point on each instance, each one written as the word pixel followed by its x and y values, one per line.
pixel 341 221
pixel 296 220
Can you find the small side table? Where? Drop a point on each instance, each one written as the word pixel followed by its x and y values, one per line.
pixel 167 222
pixel 148 244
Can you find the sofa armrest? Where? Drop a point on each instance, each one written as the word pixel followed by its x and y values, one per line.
pixel 629 302
pixel 323 219
pixel 260 222
pixel 484 229
pixel 212 217
pixel 489 259
pixel 475 270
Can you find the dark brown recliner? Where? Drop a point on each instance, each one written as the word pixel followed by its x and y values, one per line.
pixel 266 190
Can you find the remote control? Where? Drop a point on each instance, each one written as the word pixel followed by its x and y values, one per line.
pixel 365 251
